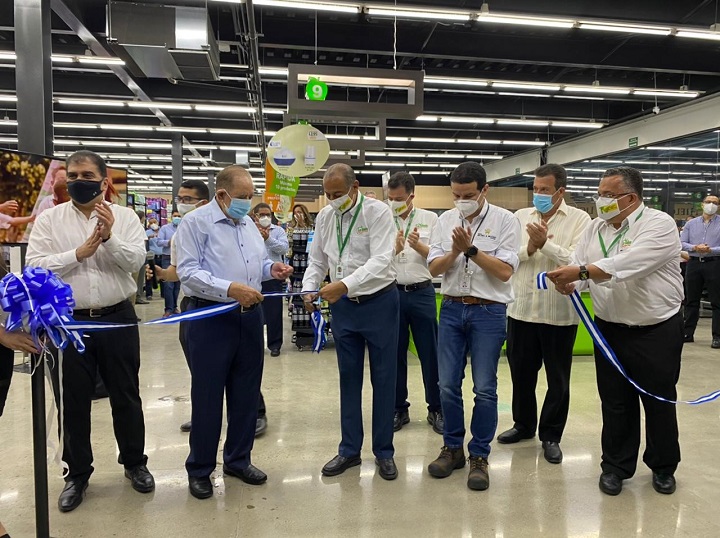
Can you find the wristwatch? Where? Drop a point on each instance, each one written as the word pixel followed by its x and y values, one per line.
pixel 472 251
pixel 584 273
pixel 108 238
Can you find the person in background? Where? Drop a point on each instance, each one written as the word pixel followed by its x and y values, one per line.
pixel 221 259
pixel 58 185
pixel 95 247
pixel 371 195
pixel 475 247
pixel 172 289
pixel 542 326
pixel 8 220
pixel 301 217
pixel 156 261
pixel 141 279
pixel 276 244
pixel 418 308
pixel 700 238
pixel 354 239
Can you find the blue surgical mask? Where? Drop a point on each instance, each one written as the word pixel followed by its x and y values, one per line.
pixel 543 202
pixel 238 208
pixel 176 221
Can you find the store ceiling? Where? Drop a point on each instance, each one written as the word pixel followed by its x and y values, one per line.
pixel 531 84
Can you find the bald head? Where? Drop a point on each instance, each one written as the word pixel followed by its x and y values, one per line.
pixel 235 181
pixel 340 180
pixel 341 171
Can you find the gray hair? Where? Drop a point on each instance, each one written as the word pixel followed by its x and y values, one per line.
pixel 341 170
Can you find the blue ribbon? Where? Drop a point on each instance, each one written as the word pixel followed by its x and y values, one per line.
pixel 607 351
pixel 318 323
pixel 41 304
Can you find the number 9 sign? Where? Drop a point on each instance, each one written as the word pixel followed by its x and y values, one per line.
pixel 316 90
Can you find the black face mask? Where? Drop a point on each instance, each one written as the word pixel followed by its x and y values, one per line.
pixel 84 191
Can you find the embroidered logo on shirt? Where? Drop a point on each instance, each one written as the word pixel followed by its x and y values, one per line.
pixel 421 225
pixel 625 244
pixel 487 233
pixel 362 230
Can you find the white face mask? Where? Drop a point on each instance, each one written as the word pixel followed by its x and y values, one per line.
pixel 710 208
pixel 468 207
pixel 265 221
pixel 398 207
pixel 154 227
pixel 184 209
pixel 341 204
pixel 608 208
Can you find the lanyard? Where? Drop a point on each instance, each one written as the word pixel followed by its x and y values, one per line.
pixel 606 250
pixel 342 243
pixel 472 239
pixel 409 225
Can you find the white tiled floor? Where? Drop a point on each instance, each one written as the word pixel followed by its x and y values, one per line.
pixel 528 497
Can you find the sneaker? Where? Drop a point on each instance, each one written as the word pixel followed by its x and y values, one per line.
pixel 478 477
pixel 437 421
pixel 448 460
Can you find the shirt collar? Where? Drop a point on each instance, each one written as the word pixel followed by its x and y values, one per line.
pixel 217 213
pixel 562 208
pixel 631 218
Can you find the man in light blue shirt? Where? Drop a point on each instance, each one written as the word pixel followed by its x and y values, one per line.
pixel 222 258
pixel 172 289
pixel 701 239
pixel 276 244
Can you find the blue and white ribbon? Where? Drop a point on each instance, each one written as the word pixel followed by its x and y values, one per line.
pixel 318 323
pixel 608 352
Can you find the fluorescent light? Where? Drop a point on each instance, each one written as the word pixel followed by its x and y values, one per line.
pixel 528 123
pixel 526 21
pixel 456 81
pixel 226 108
pixel 523 143
pixel 577 124
pixel 419 14
pixel 7 55
pixel 177 129
pixel 625 28
pixel 529 86
pixel 251 132
pixel 666 148
pixel 8 140
pixel 277 71
pixel 119 127
pixel 99 60
pixel 665 93
pixel 159 145
pixel 65 125
pixel 91 102
pixel 156 104
pixel 8 98
pixel 714 36
pixel 586 97
pixel 486 141
pixel 597 89
pixel 314 6
pixel 462 119
pixel 516 94
pixel 427 118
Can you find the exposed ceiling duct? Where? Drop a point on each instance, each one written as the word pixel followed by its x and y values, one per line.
pixel 160 41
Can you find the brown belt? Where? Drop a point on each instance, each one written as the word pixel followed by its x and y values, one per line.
pixel 468 299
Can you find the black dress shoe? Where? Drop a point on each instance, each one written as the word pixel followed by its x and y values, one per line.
pixel 552 452
pixel 715 343
pixel 200 487
pixel 260 425
pixel 186 427
pixel 72 495
pixel 387 468
pixel 513 435
pixel 400 419
pixel 437 421
pixel 663 483
pixel 340 464
pixel 141 479
pixel 274 352
pixel 610 483
pixel 249 475
pixel 688 338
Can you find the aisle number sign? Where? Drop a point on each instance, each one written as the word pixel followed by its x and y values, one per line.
pixel 316 90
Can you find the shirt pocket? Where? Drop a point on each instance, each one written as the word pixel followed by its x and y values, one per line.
pixel 487 245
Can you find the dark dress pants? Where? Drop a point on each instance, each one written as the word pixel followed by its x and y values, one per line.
pixel 418 312
pixel 115 354
pixel 373 323
pixel 698 276
pixel 529 346
pixel 650 356
pixel 273 312
pixel 226 361
pixel 7 359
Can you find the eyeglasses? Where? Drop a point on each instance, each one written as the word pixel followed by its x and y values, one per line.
pixel 186 199
pixel 596 197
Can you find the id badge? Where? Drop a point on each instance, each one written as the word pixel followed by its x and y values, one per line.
pixel 402 258
pixel 339 273
pixel 466 283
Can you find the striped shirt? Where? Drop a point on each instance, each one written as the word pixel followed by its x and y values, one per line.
pixel 565 228
pixel 698 232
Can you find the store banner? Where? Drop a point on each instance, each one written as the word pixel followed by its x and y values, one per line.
pixel 280 204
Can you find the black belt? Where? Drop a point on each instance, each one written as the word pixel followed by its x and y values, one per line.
pixel 104 311
pixel 703 259
pixel 468 299
pixel 415 287
pixel 201 303
pixel 365 298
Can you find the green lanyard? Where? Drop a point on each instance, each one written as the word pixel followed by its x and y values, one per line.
pixel 342 243
pixel 409 226
pixel 605 250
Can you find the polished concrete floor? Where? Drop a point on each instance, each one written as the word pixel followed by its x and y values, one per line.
pixel 527 497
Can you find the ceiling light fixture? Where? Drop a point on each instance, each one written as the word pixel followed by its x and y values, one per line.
pixel 628 28
pixel 419 14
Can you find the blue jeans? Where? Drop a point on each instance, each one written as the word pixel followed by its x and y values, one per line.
pixel 481 330
pixel 172 289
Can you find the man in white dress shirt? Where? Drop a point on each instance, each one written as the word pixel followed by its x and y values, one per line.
pixel 95 247
pixel 542 326
pixel 354 240
pixel 475 248
pixel 630 256
pixel 418 309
